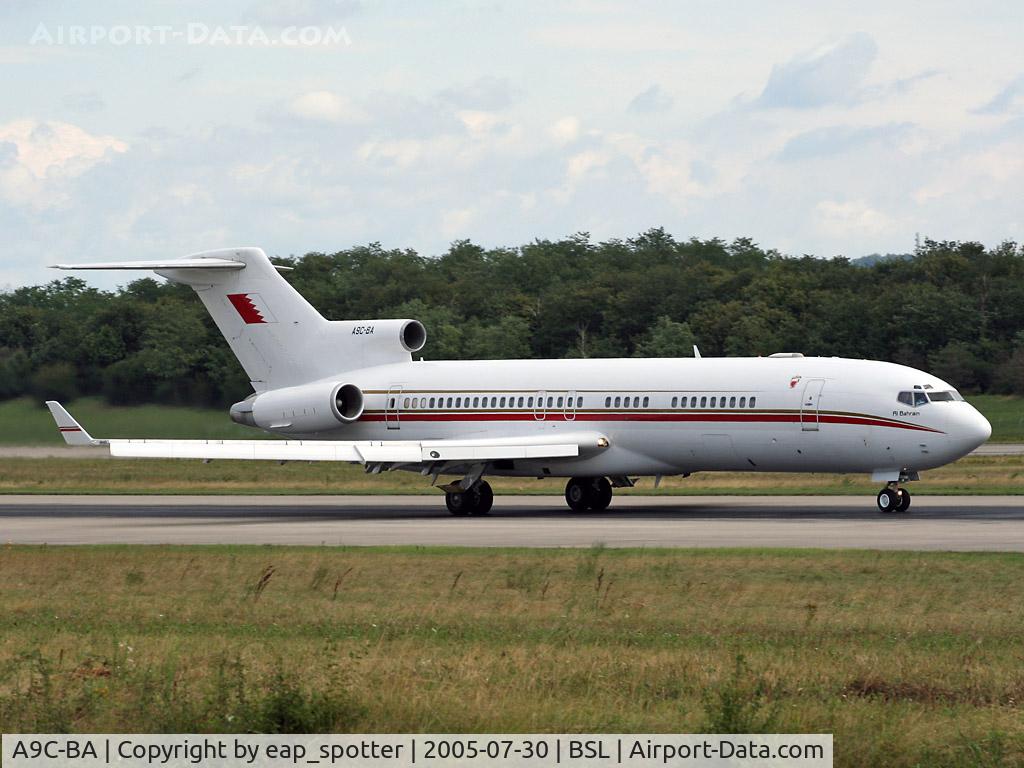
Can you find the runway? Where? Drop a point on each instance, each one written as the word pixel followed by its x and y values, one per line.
pixel 960 523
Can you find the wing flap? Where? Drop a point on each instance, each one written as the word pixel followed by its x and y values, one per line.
pixel 363 452
pixel 251 450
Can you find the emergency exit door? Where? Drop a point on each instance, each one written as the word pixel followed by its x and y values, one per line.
pixel 393 407
pixel 810 405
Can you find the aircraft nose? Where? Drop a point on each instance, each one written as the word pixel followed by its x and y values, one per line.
pixel 971 429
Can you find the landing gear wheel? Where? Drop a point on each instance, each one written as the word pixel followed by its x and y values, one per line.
pixel 888 500
pixel 904 504
pixel 458 503
pixel 482 498
pixel 478 500
pixel 576 495
pixel 600 494
pixel 592 494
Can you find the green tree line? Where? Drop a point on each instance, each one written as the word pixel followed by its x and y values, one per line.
pixel 953 308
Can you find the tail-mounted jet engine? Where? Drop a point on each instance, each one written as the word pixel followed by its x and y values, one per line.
pixel 309 408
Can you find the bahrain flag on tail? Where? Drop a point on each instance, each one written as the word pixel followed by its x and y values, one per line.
pixel 252 308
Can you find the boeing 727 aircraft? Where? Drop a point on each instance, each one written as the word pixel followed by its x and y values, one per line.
pixel 349 390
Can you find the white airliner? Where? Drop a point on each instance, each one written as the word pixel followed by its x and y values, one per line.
pixel 350 391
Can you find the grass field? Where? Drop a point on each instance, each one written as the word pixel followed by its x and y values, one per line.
pixel 973 475
pixel 910 659
pixel 25 422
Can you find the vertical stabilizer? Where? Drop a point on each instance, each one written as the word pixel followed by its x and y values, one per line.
pixel 270 327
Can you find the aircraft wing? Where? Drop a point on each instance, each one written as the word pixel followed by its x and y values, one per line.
pixel 368 452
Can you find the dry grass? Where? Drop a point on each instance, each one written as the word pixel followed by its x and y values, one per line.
pixel 974 475
pixel 908 658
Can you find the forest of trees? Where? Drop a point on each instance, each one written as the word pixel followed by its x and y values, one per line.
pixel 955 309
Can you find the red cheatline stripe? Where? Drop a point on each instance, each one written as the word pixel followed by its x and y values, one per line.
pixel 70 429
pixel 763 418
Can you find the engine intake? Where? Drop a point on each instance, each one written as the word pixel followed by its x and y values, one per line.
pixel 347 403
pixel 413 335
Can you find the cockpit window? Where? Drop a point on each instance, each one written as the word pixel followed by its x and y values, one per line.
pixel 946 396
pixel 914 399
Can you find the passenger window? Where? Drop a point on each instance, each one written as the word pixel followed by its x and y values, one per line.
pixel 713 401
pixel 674 401
pixel 721 402
pixel 743 402
pixel 693 402
pixel 391 403
pixel 494 402
pixel 568 403
pixel 618 401
pixel 520 402
pixel 476 402
pixel 608 402
pixel 529 403
pixel 405 403
pixel 458 402
pixel 647 401
pixel 753 402
pixel 551 400
pixel 920 398
pixel 732 402
pixel 579 402
pixel 907 398
pixel 559 404
pixel 703 401
pixel 502 402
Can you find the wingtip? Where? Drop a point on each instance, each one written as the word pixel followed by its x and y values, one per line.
pixel 72 432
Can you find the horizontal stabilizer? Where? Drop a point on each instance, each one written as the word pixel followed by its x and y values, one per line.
pixel 165 264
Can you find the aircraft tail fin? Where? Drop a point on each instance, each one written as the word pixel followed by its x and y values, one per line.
pixel 277 336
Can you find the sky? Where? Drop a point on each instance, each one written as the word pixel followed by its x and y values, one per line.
pixel 153 130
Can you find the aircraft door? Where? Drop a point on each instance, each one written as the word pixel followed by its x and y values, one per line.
pixel 570 405
pixel 393 407
pixel 538 410
pixel 810 404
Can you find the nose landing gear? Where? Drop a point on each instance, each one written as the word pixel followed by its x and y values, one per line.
pixel 892 498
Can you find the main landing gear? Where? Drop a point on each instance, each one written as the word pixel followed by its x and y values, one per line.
pixel 588 494
pixel 476 501
pixel 892 498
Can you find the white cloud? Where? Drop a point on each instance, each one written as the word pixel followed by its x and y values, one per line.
pixel 831 74
pixel 46 156
pixel 565 129
pixel 325 106
pixel 853 217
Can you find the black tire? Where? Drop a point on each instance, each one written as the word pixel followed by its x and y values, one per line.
pixel 483 498
pixel 888 500
pixel 576 495
pixel 459 504
pixel 600 494
pixel 904 504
